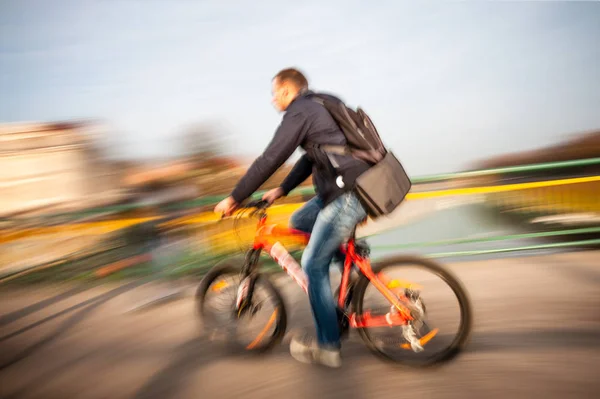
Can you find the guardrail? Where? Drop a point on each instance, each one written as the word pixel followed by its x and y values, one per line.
pixel 439 178
pixel 507 201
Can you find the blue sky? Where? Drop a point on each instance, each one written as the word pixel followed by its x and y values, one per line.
pixel 446 83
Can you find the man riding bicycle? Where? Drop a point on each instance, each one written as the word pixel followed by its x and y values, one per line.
pixel 330 217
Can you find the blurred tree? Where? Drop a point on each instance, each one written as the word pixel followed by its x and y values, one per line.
pixel 201 142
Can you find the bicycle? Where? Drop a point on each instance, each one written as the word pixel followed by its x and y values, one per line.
pixel 405 306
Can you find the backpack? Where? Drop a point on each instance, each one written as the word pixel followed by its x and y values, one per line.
pixel 385 184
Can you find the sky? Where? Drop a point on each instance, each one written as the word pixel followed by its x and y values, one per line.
pixel 446 83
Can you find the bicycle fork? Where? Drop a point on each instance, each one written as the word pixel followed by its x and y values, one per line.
pixel 246 288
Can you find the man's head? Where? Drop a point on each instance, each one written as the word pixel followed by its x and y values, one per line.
pixel 287 84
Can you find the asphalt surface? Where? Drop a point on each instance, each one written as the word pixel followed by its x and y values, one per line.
pixel 536 334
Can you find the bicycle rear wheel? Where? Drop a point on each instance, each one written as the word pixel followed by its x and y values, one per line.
pixel 439 335
pixel 258 327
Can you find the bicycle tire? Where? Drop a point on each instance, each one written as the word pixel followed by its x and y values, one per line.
pixel 466 321
pixel 229 267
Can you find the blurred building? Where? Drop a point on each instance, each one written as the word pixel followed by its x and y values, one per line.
pixel 53 165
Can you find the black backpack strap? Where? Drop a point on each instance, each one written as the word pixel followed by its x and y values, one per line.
pixel 316 98
pixel 329 150
pixel 334 149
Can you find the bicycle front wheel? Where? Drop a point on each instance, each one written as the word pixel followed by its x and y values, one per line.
pixel 257 328
pixel 437 301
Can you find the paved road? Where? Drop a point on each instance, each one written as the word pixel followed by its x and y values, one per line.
pixel 537 334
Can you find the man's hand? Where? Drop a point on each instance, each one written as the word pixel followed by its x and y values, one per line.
pixel 226 207
pixel 272 195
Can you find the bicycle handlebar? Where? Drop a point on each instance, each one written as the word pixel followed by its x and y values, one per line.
pixel 260 204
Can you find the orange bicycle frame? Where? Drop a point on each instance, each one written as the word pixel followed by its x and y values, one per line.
pixel 266 239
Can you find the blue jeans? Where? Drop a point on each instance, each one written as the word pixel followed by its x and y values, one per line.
pixel 330 226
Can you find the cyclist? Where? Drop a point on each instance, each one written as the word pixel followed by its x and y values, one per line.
pixel 330 216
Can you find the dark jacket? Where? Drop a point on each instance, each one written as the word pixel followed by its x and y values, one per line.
pixel 304 124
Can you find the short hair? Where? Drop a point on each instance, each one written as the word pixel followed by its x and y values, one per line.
pixel 294 76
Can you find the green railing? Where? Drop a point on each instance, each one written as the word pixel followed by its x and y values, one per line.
pixel 579 237
pixel 209 200
pixel 508 170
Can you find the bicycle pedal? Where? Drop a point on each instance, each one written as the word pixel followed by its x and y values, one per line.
pixel 408 332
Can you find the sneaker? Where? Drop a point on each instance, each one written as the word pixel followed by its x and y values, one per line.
pixel 305 350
